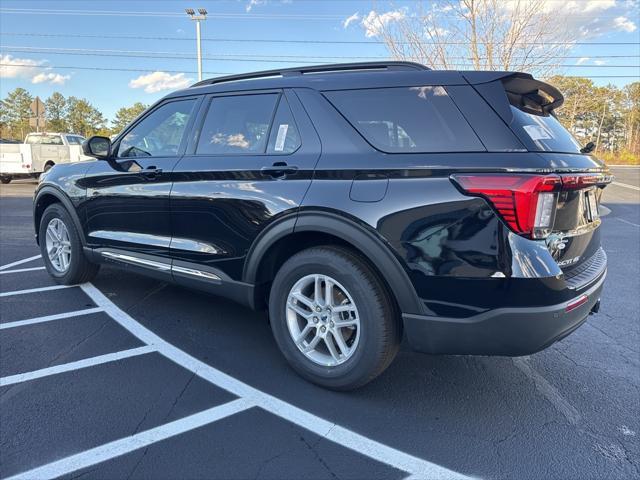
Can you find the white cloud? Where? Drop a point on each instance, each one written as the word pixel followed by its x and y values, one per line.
pixel 12 67
pixel 253 3
pixel 349 20
pixel 436 32
pixel 375 22
pixel 624 24
pixel 53 78
pixel 159 81
pixel 599 62
pixel 596 5
pixel 18 67
pixel 581 60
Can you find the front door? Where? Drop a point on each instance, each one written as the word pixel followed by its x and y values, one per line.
pixel 128 197
pixel 251 164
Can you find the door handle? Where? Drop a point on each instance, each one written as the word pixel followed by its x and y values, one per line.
pixel 278 170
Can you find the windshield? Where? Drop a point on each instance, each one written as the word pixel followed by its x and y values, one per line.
pixel 545 133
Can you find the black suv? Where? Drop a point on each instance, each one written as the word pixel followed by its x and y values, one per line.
pixel 356 202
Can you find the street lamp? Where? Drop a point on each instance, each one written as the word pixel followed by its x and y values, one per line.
pixel 202 15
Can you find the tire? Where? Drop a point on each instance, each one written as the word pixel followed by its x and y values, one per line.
pixel 371 346
pixel 79 269
pixel 5 180
pixel 48 167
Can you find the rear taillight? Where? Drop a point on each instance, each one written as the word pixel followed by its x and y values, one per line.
pixel 527 203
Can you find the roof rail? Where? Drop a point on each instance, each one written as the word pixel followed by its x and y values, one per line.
pixel 335 67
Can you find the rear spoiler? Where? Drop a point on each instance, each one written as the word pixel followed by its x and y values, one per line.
pixel 502 89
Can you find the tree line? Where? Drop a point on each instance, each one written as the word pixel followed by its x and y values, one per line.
pixel 609 116
pixel 62 114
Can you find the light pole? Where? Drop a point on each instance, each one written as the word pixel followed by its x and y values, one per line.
pixel 202 16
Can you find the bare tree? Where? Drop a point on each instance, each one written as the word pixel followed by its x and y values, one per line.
pixel 524 35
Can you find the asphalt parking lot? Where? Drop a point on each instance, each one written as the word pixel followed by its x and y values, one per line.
pixel 129 377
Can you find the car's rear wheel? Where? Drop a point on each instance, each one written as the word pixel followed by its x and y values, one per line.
pixel 332 318
pixel 5 179
pixel 61 248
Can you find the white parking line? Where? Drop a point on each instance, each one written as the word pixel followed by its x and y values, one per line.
pixel 21 270
pixel 68 367
pixel 49 318
pixel 35 290
pixel 626 185
pixel 19 262
pixel 548 391
pixel 627 221
pixel 318 425
pixel 135 442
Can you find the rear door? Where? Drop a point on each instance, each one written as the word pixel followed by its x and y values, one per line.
pixel 250 163
pixel 127 204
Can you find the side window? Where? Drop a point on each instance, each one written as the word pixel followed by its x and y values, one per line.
pixel 237 125
pixel 284 137
pixel 406 120
pixel 160 133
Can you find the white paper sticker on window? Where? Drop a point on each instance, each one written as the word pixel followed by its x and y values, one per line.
pixel 537 132
pixel 282 135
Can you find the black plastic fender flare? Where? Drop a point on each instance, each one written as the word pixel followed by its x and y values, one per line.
pixel 65 201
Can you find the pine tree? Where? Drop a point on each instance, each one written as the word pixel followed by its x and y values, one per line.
pixel 56 112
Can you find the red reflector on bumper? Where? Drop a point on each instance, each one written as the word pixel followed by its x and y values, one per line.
pixel 573 304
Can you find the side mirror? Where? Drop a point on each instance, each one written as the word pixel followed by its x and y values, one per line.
pixel 98 147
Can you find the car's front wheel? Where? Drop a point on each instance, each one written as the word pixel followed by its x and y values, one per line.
pixel 62 249
pixel 332 318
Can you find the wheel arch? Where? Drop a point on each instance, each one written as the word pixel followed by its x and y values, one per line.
pixel 48 196
pixel 313 228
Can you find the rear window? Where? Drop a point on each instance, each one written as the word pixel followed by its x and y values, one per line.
pixel 44 139
pixel 407 119
pixel 545 132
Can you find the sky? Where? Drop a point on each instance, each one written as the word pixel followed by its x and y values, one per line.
pixel 100 50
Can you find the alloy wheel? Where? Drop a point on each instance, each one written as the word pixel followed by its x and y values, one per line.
pixel 58 245
pixel 323 320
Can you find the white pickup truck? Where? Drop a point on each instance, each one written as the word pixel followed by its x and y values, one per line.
pixel 38 153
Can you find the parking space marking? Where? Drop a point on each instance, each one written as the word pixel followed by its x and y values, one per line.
pixel 35 290
pixel 626 185
pixel 135 442
pixel 627 221
pixel 49 318
pixel 19 262
pixel 548 391
pixel 344 437
pixel 69 367
pixel 21 270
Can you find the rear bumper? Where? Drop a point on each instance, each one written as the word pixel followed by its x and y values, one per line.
pixel 502 331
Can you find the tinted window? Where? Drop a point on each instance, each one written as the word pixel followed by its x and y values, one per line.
pixel 75 140
pixel 545 132
pixel 160 133
pixel 403 120
pixel 237 125
pixel 284 137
